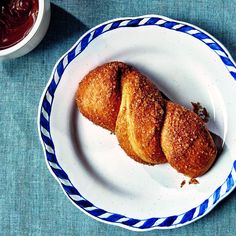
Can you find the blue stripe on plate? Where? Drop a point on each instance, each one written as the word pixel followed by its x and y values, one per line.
pixel 230 182
pixel 149 223
pixel 234 76
pixel 60 174
pixel 60 68
pixel 203 207
pixel 134 22
pixel 97 212
pixel 71 55
pixel 115 24
pixel 114 217
pixel 168 221
pixel 70 189
pixel 151 21
pixel 98 31
pixel 200 36
pixel 51 157
pixel 47 107
pixel 227 61
pixel 215 46
pixel 84 42
pixel 169 24
pixel 44 122
pixel 188 216
pixel 216 195
pixel 185 28
pixel 52 87
pixel 48 141
pixel 131 222
pixel 84 204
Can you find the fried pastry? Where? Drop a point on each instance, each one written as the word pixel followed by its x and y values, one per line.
pixel 150 128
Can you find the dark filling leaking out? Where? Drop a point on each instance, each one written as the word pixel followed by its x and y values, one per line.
pixel 17 18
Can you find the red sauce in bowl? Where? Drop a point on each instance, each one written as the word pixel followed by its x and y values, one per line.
pixel 17 18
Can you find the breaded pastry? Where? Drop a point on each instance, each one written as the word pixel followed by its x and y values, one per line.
pixel 141 115
pixel 150 129
pixel 186 142
pixel 99 95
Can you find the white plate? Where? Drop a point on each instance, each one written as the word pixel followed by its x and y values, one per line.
pixel 188 65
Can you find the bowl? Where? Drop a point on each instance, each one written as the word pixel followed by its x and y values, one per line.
pixel 34 37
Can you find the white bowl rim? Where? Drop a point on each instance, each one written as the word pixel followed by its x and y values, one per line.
pixel 30 35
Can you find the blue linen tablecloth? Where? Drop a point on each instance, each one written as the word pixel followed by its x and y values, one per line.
pixel 31 201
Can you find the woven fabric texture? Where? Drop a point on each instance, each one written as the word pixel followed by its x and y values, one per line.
pixel 31 201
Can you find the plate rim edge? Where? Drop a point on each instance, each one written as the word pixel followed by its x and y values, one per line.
pixel 46 90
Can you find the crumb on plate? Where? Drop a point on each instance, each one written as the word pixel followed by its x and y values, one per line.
pixel 193 181
pixel 182 183
pixel 201 111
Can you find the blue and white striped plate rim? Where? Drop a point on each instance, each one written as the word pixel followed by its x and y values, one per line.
pixel 46 103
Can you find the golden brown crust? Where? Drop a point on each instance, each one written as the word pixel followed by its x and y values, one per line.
pixel 123 137
pixel 139 122
pixel 186 142
pixel 98 96
pixel 149 128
